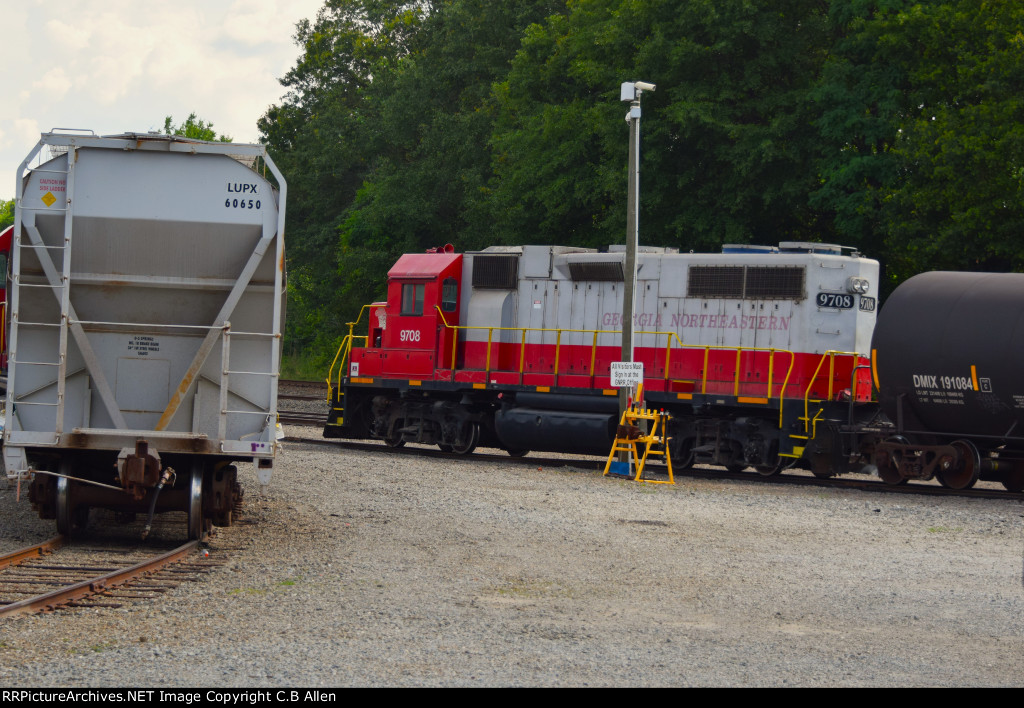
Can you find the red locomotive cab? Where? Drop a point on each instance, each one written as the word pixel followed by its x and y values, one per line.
pixel 423 296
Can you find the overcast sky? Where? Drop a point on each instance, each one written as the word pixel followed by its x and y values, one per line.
pixel 115 66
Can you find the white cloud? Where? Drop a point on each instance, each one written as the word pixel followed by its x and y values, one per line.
pixel 112 67
pixel 52 84
pixel 71 37
pixel 256 22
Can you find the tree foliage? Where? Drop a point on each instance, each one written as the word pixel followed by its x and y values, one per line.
pixel 195 129
pixel 888 125
pixel 6 213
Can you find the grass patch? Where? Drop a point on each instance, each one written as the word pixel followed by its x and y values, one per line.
pixel 303 367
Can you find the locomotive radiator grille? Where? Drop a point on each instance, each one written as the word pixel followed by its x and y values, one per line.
pixel 747 282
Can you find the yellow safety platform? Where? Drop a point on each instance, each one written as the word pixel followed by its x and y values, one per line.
pixel 629 435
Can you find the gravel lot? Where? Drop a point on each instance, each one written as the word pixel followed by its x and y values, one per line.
pixel 384 570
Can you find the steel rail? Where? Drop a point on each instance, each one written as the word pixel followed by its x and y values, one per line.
pixel 99 584
pixel 37 551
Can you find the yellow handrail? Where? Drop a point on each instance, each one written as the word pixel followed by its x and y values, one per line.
pixel 670 336
pixel 831 356
pixel 346 347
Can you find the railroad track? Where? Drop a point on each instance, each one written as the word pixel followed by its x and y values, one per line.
pixel 298 398
pixel 55 574
pixel 301 418
pixel 790 478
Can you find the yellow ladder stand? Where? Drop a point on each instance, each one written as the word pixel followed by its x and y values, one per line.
pixel 629 435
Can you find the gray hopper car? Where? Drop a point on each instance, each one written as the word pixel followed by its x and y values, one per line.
pixel 146 297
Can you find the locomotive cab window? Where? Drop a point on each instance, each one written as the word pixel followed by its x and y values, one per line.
pixel 449 295
pixel 412 299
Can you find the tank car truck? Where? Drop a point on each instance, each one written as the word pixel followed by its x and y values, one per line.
pixel 146 305
pixel 946 358
pixel 759 354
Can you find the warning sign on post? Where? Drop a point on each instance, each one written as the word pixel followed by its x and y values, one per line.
pixel 627 373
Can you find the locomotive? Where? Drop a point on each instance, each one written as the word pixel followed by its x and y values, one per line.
pixel 764 357
pixel 759 354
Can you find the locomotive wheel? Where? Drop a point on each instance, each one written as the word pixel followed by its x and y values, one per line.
pixel 774 464
pixel 394 438
pixel 683 455
pixel 196 524
pixel 71 518
pixel 963 473
pixel 470 438
pixel 769 470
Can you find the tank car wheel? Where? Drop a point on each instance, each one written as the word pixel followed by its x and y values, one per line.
pixel 470 438
pixel 963 473
pixel 820 464
pixel 196 523
pixel 517 453
pixel 1014 481
pixel 71 518
pixel 890 473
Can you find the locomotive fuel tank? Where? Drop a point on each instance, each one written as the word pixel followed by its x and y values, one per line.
pixel 946 356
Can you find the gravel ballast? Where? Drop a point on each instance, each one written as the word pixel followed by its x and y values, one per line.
pixel 375 569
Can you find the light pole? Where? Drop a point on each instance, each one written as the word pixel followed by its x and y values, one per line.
pixel 631 91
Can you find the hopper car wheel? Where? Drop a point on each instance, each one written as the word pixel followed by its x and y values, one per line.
pixel 735 467
pixel 964 472
pixel 196 524
pixel 890 473
pixel 71 518
pixel 468 439
pixel 444 448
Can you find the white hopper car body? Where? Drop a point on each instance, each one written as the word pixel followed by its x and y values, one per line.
pixel 146 308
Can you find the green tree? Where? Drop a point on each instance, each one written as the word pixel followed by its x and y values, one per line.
pixel 383 136
pixel 922 133
pixel 6 213
pixel 320 136
pixel 195 129
pixel 725 153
